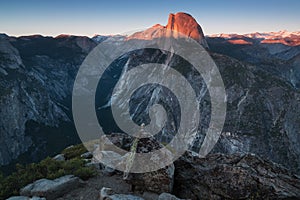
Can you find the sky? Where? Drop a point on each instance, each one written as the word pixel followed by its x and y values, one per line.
pixel 91 17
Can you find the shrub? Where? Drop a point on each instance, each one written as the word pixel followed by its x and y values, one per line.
pixel 85 172
pixel 74 151
pixel 47 168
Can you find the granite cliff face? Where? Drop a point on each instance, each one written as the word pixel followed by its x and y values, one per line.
pixel 181 23
pixel 262 115
pixel 37 75
pixel 187 25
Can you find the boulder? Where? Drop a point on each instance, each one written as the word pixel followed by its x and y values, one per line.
pixel 155 181
pixel 120 140
pixel 104 152
pixel 158 182
pixel 25 198
pixel 51 189
pixel 108 171
pixel 87 155
pixel 105 192
pixel 220 176
pixel 59 157
pixel 167 196
pixel 109 194
pixel 111 158
pixel 150 195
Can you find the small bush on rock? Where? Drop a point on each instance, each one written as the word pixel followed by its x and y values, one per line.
pixel 47 168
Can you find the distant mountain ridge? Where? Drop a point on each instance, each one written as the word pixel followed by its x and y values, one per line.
pixel 276 52
pixel 268 35
pixel 280 37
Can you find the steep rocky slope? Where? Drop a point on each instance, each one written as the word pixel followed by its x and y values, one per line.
pixel 262 115
pixel 37 75
pixel 276 53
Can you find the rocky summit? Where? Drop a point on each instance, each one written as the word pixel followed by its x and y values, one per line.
pixel 187 25
pixel 178 24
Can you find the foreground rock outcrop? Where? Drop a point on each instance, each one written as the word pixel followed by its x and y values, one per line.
pixel 217 176
pixel 222 176
pixel 51 189
pixel 158 181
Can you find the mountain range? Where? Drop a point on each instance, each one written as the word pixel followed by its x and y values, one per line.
pixel 280 37
pixel 261 73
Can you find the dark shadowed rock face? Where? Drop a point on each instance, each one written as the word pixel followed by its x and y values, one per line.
pixel 262 114
pixel 222 176
pixel 36 81
pixel 158 182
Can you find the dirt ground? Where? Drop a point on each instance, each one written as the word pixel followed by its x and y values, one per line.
pixel 90 190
